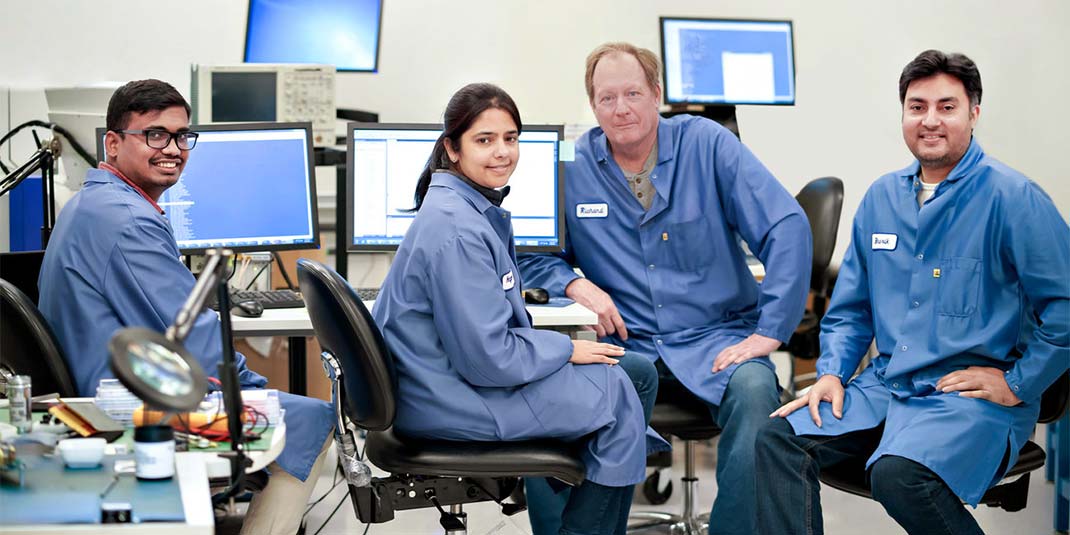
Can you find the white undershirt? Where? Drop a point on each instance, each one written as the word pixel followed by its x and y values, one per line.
pixel 926 192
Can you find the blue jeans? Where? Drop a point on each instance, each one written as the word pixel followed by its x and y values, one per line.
pixel 591 507
pixel 749 398
pixel 789 498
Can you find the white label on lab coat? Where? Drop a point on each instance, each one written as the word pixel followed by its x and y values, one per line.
pixel 508 281
pixel 886 242
pixel 597 209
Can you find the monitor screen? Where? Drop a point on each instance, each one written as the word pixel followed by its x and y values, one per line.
pixel 385 161
pixel 243 96
pixel 717 61
pixel 247 187
pixel 343 33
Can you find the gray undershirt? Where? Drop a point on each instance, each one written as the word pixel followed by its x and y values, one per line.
pixel 640 183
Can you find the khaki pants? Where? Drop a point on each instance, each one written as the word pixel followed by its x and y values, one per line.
pixel 278 509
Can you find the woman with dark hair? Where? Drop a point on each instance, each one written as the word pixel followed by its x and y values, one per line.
pixel 470 366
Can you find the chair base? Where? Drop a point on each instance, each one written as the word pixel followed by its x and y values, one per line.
pixel 377 502
pixel 687 523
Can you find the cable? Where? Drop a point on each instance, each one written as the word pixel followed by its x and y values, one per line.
pixel 258 272
pixel 58 129
pixel 330 516
pixel 282 269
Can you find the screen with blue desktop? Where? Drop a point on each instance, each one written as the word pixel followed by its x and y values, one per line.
pixel 343 33
pixel 247 187
pixel 722 61
pixel 385 161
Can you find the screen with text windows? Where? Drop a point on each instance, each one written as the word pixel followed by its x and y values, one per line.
pixel 246 187
pixel 385 162
pixel 710 61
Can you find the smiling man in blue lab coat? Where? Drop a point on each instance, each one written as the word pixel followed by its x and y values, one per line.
pixel 655 208
pixel 112 262
pixel 958 269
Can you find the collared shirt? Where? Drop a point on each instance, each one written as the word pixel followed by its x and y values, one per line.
pixel 977 276
pixel 105 166
pixel 676 272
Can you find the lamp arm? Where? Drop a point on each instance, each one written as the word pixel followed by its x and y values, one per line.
pixel 206 283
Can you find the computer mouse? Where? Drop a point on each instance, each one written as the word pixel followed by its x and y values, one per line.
pixel 536 296
pixel 247 309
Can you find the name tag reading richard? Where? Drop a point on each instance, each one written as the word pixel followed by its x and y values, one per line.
pixel 597 209
pixel 886 242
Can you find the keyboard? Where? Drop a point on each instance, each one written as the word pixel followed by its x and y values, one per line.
pixel 367 294
pixel 267 298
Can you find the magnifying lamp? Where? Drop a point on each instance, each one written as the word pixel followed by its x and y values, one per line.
pixel 158 369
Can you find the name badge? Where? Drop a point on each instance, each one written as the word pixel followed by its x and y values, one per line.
pixel 886 242
pixel 597 209
pixel 508 281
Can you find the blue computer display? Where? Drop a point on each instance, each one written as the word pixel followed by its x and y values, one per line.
pixel 728 61
pixel 343 33
pixel 385 160
pixel 245 187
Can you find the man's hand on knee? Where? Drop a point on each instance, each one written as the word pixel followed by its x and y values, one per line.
pixel 754 345
pixel 827 388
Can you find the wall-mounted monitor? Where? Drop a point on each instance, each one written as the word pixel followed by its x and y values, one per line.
pixel 385 161
pixel 725 61
pixel 246 187
pixel 343 33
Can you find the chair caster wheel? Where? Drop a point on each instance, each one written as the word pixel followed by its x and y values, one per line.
pixel 651 489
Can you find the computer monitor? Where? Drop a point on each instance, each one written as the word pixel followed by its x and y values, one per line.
pixel 723 61
pixel 246 187
pixel 385 161
pixel 343 33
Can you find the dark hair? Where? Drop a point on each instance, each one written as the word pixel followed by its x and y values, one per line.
pixel 141 96
pixel 463 109
pixel 933 62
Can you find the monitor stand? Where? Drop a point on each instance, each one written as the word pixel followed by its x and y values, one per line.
pixel 725 115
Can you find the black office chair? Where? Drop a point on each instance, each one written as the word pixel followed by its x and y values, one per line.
pixel 1010 494
pixel 822 200
pixel 424 473
pixel 27 345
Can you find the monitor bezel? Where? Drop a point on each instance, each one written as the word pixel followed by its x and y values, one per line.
pixel 378 43
pixel 379 248
pixel 665 75
pixel 223 127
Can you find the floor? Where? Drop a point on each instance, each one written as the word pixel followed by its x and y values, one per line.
pixel 844 514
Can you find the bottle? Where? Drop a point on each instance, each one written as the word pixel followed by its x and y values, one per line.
pixel 154 451
pixel 20 397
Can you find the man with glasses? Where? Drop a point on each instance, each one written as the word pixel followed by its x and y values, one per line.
pixel 112 262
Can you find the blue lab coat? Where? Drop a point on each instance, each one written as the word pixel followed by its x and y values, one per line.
pixel 1003 255
pixel 677 272
pixel 112 262
pixel 469 364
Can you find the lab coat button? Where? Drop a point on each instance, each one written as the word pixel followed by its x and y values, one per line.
pixel 921 257
pixel 916 304
pixel 895 385
pixel 660 342
pixel 904 348
pixel 651 266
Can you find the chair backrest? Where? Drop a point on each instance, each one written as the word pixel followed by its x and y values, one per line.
pixel 822 200
pixel 346 330
pixel 28 346
pixel 1054 400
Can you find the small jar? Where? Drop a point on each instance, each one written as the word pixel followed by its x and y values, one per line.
pixel 154 452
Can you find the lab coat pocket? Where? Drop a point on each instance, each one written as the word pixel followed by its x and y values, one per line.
pixel 958 287
pixel 690 243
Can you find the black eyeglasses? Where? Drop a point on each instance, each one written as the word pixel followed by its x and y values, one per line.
pixel 158 138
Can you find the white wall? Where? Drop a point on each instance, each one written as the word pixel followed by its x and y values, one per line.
pixel 849 55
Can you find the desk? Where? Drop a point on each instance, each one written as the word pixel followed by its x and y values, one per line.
pixel 196 504
pixel 295 323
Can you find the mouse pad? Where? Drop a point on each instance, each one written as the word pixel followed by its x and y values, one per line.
pixel 556 302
